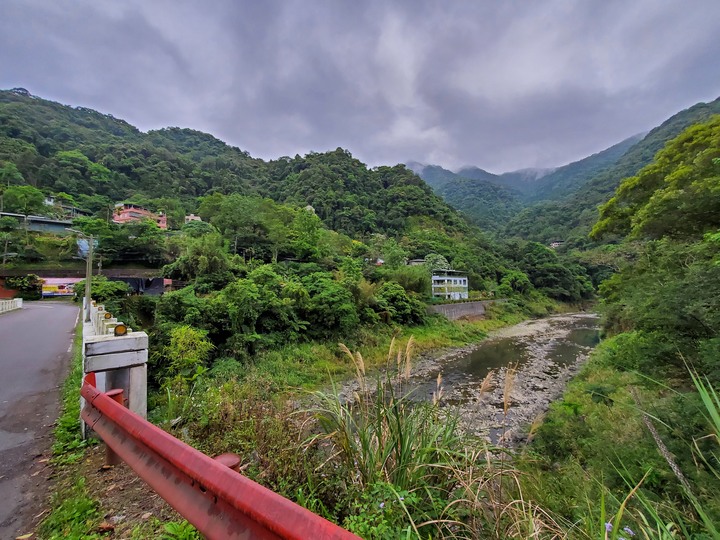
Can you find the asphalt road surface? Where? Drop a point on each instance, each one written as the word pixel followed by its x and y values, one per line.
pixel 35 345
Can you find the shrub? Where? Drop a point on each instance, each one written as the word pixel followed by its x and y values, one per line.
pixel 29 287
pixel 403 309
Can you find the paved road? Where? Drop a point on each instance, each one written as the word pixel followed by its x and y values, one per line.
pixel 34 352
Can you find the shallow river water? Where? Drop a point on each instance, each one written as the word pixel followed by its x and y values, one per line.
pixel 545 354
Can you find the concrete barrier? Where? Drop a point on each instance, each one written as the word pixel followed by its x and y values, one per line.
pixel 10 305
pixel 116 361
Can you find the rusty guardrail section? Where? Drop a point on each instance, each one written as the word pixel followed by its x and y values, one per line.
pixel 219 502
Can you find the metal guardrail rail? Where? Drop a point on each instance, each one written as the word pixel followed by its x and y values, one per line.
pixel 218 501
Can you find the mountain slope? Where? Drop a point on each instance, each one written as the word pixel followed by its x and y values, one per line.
pixel 490 200
pixel 99 160
pixel 572 217
pixel 569 178
pixel 476 173
pixel 480 195
pixel 486 204
pixel 523 180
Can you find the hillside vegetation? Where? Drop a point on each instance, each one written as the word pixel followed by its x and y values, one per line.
pixel 299 254
pixel 642 413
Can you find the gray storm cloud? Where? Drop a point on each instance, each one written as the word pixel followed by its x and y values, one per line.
pixel 501 85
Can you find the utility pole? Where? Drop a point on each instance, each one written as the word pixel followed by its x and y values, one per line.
pixel 88 269
pixel 88 277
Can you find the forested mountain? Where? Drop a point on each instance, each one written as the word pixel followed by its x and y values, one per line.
pixel 316 209
pixel 571 218
pixel 480 195
pixel 567 179
pixel 99 160
pixel 434 175
pixel 491 200
pixel 488 205
pixel 523 180
pixel 476 173
pixel 559 204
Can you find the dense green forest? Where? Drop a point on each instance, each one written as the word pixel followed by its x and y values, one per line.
pixel 570 219
pixel 92 161
pixel 491 200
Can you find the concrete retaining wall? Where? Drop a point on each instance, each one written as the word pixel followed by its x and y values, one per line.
pixel 9 305
pixel 461 309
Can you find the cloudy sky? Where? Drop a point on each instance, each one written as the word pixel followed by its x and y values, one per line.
pixel 500 84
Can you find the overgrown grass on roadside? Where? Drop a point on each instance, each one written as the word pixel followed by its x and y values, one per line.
pixel 75 514
pixel 69 444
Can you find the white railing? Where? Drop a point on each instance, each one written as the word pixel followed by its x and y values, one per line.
pixel 9 305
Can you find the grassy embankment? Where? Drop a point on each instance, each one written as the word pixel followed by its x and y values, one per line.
pixel 76 512
pixel 613 454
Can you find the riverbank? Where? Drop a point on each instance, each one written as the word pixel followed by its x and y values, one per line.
pixel 503 383
pixel 516 397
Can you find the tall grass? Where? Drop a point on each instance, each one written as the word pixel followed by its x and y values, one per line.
pixel 442 484
pixel 665 520
pixel 383 436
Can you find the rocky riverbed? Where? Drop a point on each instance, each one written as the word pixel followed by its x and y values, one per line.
pixel 540 357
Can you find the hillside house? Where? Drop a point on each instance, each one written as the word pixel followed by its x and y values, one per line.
pixel 66 209
pixel 125 213
pixel 449 284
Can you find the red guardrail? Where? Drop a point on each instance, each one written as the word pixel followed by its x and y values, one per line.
pixel 219 502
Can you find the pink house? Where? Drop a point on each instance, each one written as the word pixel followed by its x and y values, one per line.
pixel 125 213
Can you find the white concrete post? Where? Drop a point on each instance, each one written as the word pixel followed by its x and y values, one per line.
pixel 117 361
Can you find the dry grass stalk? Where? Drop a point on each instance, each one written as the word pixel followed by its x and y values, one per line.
pixel 408 356
pixel 536 423
pixel 390 351
pixel 486 384
pixel 509 385
pixel 438 393
pixel 359 364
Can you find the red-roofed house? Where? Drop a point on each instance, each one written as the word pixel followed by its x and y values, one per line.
pixel 125 213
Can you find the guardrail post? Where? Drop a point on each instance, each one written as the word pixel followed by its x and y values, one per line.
pixel 111 458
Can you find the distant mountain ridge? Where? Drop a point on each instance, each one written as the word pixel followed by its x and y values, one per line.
pixel 566 179
pixel 532 184
pixel 547 205
pixel 490 200
pixel 572 217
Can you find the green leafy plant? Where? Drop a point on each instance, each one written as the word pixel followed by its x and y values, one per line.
pixel 180 530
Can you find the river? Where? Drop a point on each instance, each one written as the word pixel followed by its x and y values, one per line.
pixel 544 353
